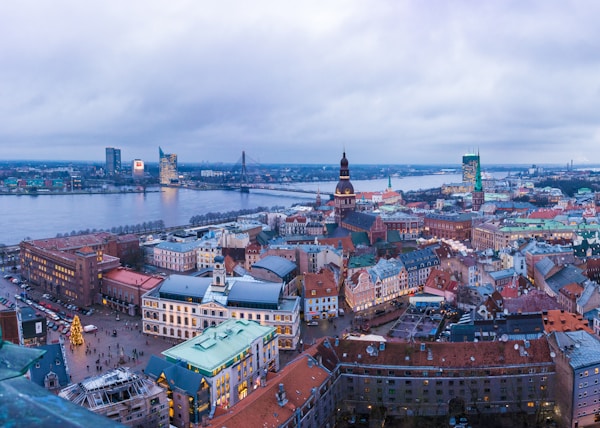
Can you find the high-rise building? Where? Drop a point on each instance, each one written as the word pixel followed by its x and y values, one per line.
pixel 113 161
pixel 137 169
pixel 344 197
pixel 469 167
pixel 167 168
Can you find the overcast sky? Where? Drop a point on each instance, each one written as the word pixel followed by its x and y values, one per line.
pixel 406 82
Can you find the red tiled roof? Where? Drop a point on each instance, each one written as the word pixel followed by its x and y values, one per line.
pixel 545 213
pixel 296 218
pixel 390 194
pixel 572 290
pixel 560 320
pixel 446 355
pixel 130 277
pixel 441 280
pixel 347 244
pixel 533 301
pixel 320 283
pixel 79 241
pixel 260 408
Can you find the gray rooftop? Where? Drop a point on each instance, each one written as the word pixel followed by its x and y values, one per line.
pixel 582 348
pixel 501 274
pixel 544 266
pixel 278 265
pixel 184 285
pixel 420 258
pixel 566 276
pixel 179 247
pixel 247 291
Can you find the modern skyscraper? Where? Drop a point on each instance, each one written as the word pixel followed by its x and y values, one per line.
pixel 113 161
pixel 344 197
pixel 167 165
pixel 469 167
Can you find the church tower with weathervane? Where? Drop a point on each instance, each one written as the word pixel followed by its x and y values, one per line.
pixel 344 197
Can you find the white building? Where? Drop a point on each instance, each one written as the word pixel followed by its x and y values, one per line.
pixel 184 306
pixel 176 256
pixel 208 249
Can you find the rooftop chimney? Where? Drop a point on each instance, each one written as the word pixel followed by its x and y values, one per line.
pixel 281 398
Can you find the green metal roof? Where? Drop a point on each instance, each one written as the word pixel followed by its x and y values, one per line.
pixel 218 346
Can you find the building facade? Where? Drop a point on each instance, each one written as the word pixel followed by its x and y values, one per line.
pixel 71 276
pixel 448 226
pixel 320 296
pixel 167 168
pixel 113 161
pixel 122 289
pixel 578 376
pixel 419 264
pixel 137 169
pixel 408 226
pixel 177 256
pixel 234 358
pixel 432 379
pixel 183 306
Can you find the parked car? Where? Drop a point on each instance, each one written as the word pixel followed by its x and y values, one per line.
pixel 312 323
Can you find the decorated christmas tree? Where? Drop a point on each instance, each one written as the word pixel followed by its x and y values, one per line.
pixel 76 336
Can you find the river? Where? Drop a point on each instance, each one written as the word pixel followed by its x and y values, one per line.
pixel 44 216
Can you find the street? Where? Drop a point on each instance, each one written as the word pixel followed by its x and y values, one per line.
pixel 101 350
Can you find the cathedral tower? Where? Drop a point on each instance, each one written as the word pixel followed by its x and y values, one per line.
pixel 344 197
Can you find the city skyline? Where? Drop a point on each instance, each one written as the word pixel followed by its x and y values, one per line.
pixel 408 82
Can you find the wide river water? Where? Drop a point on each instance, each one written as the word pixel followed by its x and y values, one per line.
pixel 44 216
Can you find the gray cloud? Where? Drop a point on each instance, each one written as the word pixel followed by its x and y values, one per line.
pixel 389 81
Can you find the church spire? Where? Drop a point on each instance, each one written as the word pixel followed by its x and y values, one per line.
pixel 478 186
pixel 478 196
